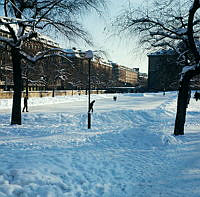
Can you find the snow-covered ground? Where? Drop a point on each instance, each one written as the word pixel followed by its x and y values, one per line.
pixel 129 152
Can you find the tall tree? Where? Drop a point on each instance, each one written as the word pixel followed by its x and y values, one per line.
pixel 24 18
pixel 169 25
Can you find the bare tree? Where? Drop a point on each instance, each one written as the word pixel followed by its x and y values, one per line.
pixel 169 25
pixel 55 73
pixel 24 18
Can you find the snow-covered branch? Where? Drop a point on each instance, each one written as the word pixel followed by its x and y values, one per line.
pixel 29 35
pixel 187 70
pixel 166 34
pixel 53 52
pixel 148 24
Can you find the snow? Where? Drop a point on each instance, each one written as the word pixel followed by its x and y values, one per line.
pixel 162 52
pixel 72 53
pixel 187 69
pixel 181 31
pixel 130 150
pixel 89 54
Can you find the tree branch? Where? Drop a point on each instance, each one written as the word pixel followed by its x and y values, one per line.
pixel 193 9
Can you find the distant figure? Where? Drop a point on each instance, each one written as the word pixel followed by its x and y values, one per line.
pixel 197 96
pixel 114 98
pixel 164 92
pixel 91 106
pixel 25 104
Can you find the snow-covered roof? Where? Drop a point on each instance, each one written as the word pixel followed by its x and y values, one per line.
pixel 47 40
pixel 104 62
pixel 8 20
pixel 72 52
pixel 42 38
pixel 163 52
pixel 3 28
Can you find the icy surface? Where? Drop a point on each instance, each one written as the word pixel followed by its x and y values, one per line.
pixel 130 150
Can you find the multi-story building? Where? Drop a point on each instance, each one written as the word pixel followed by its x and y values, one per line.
pixel 29 71
pixel 124 76
pixel 60 73
pixel 163 70
pixel 142 81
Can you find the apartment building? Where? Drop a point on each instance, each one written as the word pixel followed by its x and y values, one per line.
pixel 63 73
pixel 163 71
pixel 124 76
pixel 33 72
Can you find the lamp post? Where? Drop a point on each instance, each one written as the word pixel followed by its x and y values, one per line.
pixel 89 56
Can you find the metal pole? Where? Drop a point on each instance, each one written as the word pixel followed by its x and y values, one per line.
pixel 89 56
pixel 89 114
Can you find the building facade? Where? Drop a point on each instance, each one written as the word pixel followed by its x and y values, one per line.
pixel 163 71
pixel 62 73
pixel 124 76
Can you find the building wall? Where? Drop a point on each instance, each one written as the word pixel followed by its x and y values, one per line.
pixel 124 75
pixel 9 94
pixel 103 75
pixel 131 77
pixel 163 72
pixel 35 71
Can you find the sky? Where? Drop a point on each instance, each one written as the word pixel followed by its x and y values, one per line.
pixel 119 49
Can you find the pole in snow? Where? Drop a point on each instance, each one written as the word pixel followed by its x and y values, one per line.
pixel 89 56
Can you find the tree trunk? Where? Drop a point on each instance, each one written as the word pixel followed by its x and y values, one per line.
pixel 17 79
pixel 182 103
pixel 27 86
pixel 53 91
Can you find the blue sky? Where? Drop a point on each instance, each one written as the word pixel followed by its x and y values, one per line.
pixel 120 50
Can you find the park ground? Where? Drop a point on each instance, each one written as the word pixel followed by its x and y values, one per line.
pixel 130 151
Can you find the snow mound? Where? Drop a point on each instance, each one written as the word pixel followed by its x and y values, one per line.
pixel 170 139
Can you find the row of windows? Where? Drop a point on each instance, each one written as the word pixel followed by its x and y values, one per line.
pixel 6 35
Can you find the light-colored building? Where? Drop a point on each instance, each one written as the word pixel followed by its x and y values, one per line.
pixel 124 75
pixel 31 47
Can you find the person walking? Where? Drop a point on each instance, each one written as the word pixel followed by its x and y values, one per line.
pixel 115 98
pixel 91 106
pixel 25 104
